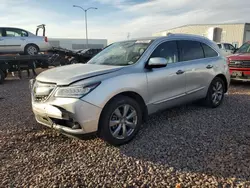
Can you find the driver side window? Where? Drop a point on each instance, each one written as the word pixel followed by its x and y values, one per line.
pixel 167 50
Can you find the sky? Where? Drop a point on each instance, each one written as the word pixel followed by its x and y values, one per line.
pixel 114 19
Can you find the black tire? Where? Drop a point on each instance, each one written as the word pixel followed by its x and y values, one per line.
pixel 209 98
pixel 31 49
pixel 104 125
pixel 2 76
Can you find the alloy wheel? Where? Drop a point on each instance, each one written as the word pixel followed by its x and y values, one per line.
pixel 123 121
pixel 217 92
pixel 32 50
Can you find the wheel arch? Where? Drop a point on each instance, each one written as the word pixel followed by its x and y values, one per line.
pixel 137 97
pixel 223 77
pixel 33 44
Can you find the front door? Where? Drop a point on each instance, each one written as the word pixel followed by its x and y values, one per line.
pixel 15 39
pixel 166 85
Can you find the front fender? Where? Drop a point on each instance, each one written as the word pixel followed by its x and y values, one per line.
pixel 134 82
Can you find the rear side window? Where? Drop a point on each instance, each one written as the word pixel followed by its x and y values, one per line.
pixel 12 32
pixel 219 45
pixel 190 50
pixel 209 52
pixel 167 50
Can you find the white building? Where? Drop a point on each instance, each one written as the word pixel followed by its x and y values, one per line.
pixel 234 33
pixel 75 44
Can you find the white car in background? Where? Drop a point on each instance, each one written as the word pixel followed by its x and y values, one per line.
pixel 226 48
pixel 15 40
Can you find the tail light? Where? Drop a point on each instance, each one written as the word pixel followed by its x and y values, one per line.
pixel 46 39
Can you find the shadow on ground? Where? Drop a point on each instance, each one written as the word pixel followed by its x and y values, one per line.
pixel 196 139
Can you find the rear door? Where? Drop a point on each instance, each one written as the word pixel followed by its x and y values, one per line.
pixel 15 39
pixel 199 59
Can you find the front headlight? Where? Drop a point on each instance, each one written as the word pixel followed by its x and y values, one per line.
pixel 75 91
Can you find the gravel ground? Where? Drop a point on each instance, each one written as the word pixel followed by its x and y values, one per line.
pixel 183 147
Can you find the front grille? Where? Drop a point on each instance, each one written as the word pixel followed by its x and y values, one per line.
pixel 41 91
pixel 239 64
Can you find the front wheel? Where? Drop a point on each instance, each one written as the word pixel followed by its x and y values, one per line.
pixel 120 121
pixel 215 94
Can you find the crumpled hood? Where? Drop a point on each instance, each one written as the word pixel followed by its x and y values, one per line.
pixel 239 56
pixel 68 74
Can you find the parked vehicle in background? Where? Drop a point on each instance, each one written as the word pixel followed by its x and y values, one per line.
pixel 239 63
pixel 226 48
pixel 127 81
pixel 15 40
pixel 83 56
pixel 72 57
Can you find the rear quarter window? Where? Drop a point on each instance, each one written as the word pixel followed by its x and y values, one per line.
pixel 208 51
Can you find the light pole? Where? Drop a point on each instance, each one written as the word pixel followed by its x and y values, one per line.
pixel 85 10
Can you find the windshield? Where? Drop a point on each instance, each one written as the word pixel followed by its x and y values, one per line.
pixel 245 48
pixel 121 53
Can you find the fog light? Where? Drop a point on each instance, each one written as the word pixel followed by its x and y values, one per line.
pixel 76 126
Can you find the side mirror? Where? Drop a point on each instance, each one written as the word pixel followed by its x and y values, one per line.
pixel 157 62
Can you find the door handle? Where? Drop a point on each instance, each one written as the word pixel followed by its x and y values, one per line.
pixel 1 39
pixel 180 72
pixel 22 39
pixel 209 66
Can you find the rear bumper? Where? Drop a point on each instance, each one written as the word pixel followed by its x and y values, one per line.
pixel 67 115
pixel 44 47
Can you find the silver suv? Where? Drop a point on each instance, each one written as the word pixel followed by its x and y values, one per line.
pixel 15 40
pixel 127 81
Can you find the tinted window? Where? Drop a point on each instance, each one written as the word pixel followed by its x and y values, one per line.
pixel 167 50
pixel 209 52
pixel 190 50
pixel 219 45
pixel 1 32
pixel 11 32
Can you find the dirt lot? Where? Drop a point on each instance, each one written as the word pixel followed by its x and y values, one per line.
pixel 189 146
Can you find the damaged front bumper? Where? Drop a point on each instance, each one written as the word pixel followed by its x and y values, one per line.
pixel 68 115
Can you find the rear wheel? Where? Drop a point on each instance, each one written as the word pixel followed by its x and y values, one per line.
pixel 120 120
pixel 31 49
pixel 215 94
